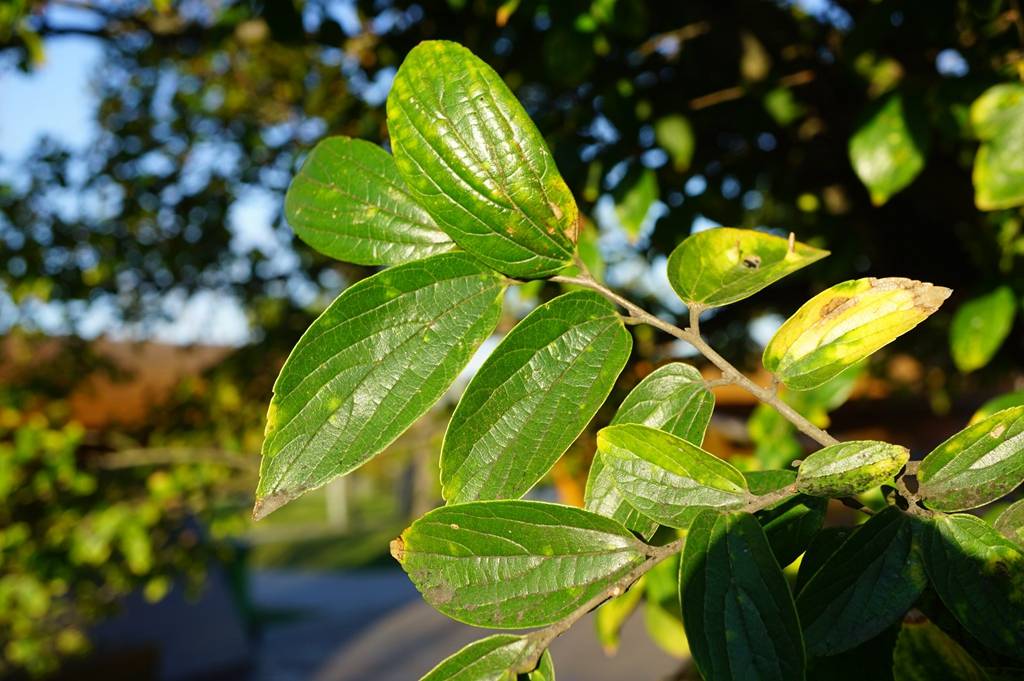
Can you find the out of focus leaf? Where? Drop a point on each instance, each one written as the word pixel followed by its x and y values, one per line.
pixel 996 404
pixel 997 117
pixel 613 615
pixel 1011 522
pixel 888 150
pixel 925 653
pixel 846 323
pixel 675 135
pixel 980 326
pixel 633 201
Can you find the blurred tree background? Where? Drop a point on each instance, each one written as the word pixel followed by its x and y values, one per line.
pixel 849 123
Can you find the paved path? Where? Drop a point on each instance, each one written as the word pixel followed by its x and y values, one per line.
pixel 372 625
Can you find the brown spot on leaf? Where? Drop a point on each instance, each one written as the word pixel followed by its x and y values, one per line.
pixel 439 595
pixel 752 262
pixel 832 307
pixel 556 210
pixel 398 549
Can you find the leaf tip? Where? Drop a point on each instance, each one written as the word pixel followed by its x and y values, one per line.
pixel 397 548
pixel 264 506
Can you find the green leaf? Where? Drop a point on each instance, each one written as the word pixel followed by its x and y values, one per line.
pixel 672 398
pixel 675 135
pixel 775 437
pixel 665 627
pixel 976 466
pixel 980 326
pixel 376 360
pixel 925 653
pixel 888 149
pixel 1011 523
pixel 826 542
pixel 997 117
pixel 1014 399
pixel 349 202
pixel 477 163
pixel 532 397
pixel 864 587
pixel 613 614
pixel 495 658
pixel 737 610
pixel 514 564
pixel 846 323
pixel 850 468
pixel 667 478
pixel 633 200
pixel 722 265
pixel 979 575
pixel 791 523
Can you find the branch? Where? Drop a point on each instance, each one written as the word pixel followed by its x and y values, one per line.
pixel 692 336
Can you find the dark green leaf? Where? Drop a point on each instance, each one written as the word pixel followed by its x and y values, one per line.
pixel 350 203
pixel 1011 522
pixel 870 660
pixel 791 523
pixel 370 365
pixel 514 564
pixel 495 658
pixel 667 478
pixel 850 468
pixel 477 163
pixel 977 465
pixel 997 117
pixel 925 653
pixel 737 609
pixel 844 324
pixel 826 542
pixel 720 266
pixel 864 587
pixel 980 326
pixel 672 398
pixel 979 575
pixel 532 397
pixel 888 149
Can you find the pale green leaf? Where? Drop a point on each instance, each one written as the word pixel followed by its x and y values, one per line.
pixel 478 164
pixel 846 323
pixel 495 658
pixel 675 135
pixel 888 150
pixel 514 564
pixel 997 117
pixel 665 627
pixel 925 653
pixel 613 615
pixel 722 265
pixel 980 326
pixel 737 609
pixel 633 201
pixel 979 575
pixel 667 478
pixel 369 366
pixel 849 468
pixel 978 465
pixel 672 398
pixel 532 397
pixel 1014 399
pixel 864 587
pixel 349 202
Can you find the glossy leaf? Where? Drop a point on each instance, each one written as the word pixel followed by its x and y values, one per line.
pixel 980 326
pixel 613 615
pixel 869 583
pixel 675 135
pixel 514 564
pixel 925 653
pixel 532 397
pixel 846 323
pixel 737 610
pixel 672 398
pixel 888 150
pixel 978 465
pixel 791 523
pixel 997 117
pixel 369 366
pixel 1011 523
pixel 633 201
pixel 495 658
pixel 720 266
pixel 979 575
pixel 478 164
pixel 349 202
pixel 850 468
pixel 667 478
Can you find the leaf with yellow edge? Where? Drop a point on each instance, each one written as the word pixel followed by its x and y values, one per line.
pixel 846 323
pixel 720 266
